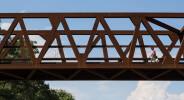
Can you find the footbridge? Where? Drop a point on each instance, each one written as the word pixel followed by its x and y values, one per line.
pixel 95 54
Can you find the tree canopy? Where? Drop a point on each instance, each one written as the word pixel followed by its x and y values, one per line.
pixel 28 90
pixel 31 90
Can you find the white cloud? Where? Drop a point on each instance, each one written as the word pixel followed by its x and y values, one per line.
pixel 5 26
pixel 51 53
pixel 75 92
pixel 153 91
pixel 39 40
pixel 175 97
pixel 181 96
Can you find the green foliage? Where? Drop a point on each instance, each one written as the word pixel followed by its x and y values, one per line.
pixel 63 95
pixel 28 90
pixel 16 52
pixel 31 90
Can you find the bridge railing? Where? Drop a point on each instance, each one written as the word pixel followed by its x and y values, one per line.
pixel 126 53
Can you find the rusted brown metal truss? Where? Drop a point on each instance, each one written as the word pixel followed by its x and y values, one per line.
pixel 126 67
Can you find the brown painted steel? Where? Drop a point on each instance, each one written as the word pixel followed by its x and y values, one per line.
pixel 91 15
pixel 83 67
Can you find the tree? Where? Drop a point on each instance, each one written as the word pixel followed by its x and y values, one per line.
pixel 16 52
pixel 28 90
pixel 63 95
pixel 31 90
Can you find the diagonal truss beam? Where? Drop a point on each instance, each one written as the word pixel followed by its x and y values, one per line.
pixel 180 51
pixel 5 51
pixel 105 52
pixel 74 74
pixel 55 23
pixel 143 50
pixel 9 32
pixel 53 74
pixel 140 73
pixel 118 74
pixel 30 75
pixel 170 28
pixel 70 38
pixel 180 72
pixel 161 74
pixel 23 53
pixel 61 51
pixel 91 42
pixel 97 74
pixel 114 41
pixel 27 40
pixel 168 58
pixel 12 75
pixel 136 21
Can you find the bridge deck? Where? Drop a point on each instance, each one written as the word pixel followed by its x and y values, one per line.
pixel 92 71
pixel 126 64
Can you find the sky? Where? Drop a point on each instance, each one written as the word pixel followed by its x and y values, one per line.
pixel 102 90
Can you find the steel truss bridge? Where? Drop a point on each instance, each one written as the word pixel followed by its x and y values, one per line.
pixel 83 67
